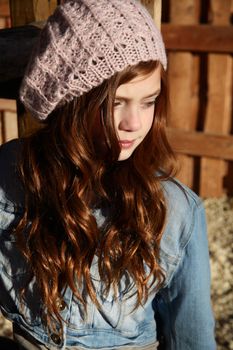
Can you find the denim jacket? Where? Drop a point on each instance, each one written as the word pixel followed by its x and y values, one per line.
pixel 180 311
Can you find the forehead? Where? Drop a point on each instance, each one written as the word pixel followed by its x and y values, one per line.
pixel 141 86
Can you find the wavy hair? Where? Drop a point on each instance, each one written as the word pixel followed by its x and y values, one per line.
pixel 68 171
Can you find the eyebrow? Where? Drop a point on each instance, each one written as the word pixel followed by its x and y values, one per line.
pixel 143 98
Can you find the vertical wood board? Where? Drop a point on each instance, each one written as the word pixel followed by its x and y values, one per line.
pixel 1 127
pixel 183 77
pixel 4 8
pixel 8 120
pixel 184 11
pixel 2 22
pixel 28 11
pixel 10 125
pixel 219 105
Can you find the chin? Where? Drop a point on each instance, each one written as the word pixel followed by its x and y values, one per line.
pixel 124 155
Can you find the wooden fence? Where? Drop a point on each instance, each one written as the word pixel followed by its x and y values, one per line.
pixel 198 35
pixel 8 116
pixel 8 120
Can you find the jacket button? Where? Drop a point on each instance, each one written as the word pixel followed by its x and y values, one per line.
pixel 56 338
pixel 61 305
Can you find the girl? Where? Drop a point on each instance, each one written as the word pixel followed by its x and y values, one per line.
pixel 100 247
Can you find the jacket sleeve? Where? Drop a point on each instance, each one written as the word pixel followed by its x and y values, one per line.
pixel 183 308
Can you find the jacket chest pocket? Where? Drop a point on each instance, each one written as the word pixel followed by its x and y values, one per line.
pixel 111 307
pixel 114 304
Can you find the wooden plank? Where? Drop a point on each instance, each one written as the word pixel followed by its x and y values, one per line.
pixel 9 105
pixel 10 126
pixel 158 13
pixel 2 22
pixel 1 127
pixel 184 12
pixel 201 144
pixel 199 38
pixel 27 11
pixel 183 79
pixel 4 8
pixel 24 12
pixel 218 114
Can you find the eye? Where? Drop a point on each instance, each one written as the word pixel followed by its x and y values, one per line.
pixel 149 104
pixel 117 103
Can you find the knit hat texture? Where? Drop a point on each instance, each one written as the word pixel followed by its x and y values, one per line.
pixel 83 43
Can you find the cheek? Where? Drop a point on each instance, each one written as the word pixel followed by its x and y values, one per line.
pixel 149 119
pixel 116 119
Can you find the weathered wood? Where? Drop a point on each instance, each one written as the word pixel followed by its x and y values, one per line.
pixel 183 77
pixel 27 11
pixel 10 125
pixel 1 127
pixel 2 22
pixel 201 144
pixel 198 38
pixel 218 115
pixel 7 105
pixel 4 8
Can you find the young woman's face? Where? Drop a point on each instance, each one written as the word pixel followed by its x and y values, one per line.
pixel 134 111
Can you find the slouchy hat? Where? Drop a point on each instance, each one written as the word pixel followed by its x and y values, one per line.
pixel 84 43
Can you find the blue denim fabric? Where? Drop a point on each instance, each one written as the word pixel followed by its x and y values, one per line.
pixel 181 310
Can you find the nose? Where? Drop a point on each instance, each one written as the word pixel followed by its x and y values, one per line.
pixel 131 120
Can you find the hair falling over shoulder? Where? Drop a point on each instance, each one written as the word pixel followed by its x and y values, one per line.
pixel 69 169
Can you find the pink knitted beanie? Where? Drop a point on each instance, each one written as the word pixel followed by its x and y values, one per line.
pixel 83 43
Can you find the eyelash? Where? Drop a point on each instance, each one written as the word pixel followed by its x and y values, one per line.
pixel 116 104
pixel 149 104
pixel 146 105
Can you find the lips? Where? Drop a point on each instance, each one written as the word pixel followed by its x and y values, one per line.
pixel 125 144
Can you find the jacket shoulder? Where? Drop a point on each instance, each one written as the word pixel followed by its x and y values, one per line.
pixel 177 193
pixel 183 209
pixel 11 189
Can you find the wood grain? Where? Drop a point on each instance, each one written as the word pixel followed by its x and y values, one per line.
pixel 201 144
pixel 198 38
pixel 183 79
pixel 27 11
pixel 219 105
pixel 4 8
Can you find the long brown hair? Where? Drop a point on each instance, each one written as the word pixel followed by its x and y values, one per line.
pixel 68 173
